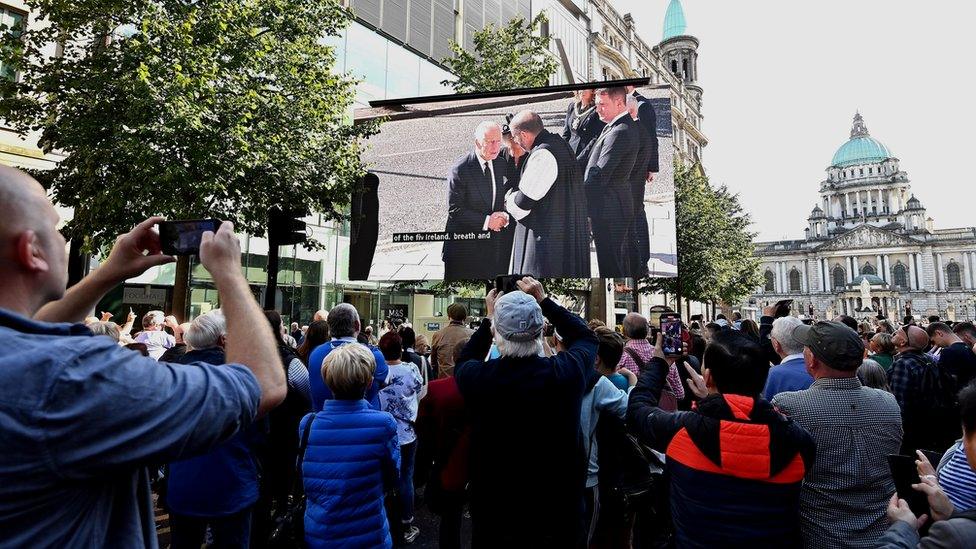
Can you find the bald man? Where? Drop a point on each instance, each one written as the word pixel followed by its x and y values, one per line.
pixel 475 202
pixel 549 205
pixel 81 417
pixel 925 393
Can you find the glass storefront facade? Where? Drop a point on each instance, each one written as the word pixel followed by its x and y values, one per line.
pixel 386 70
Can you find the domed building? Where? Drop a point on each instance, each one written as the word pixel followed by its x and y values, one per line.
pixel 870 248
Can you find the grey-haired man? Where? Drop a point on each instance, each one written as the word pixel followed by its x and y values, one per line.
pixel 845 495
pixel 527 461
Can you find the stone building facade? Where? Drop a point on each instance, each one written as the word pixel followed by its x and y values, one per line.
pixel 870 247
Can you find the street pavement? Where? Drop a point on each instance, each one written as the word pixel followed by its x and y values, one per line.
pixel 423 519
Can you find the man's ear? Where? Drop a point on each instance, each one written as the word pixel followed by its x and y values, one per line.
pixel 707 375
pixel 29 252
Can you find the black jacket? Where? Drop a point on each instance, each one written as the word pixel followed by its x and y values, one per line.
pixel 647 117
pixel 609 193
pixel 556 221
pixel 469 202
pixel 527 466
pixel 736 465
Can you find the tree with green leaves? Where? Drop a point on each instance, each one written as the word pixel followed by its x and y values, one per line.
pixel 223 108
pixel 716 259
pixel 514 56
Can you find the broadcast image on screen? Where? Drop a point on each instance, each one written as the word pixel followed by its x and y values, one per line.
pixel 553 183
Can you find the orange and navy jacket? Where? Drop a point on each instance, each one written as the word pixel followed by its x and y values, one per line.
pixel 735 464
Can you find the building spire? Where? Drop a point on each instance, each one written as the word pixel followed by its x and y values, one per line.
pixel 674 20
pixel 859 129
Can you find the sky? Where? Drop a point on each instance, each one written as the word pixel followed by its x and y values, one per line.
pixel 782 81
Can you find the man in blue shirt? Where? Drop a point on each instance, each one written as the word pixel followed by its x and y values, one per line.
pixel 344 325
pixel 81 417
pixel 791 372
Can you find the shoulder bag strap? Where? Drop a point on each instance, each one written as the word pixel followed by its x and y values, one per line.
pixel 296 485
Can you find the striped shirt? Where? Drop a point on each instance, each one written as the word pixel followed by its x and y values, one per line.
pixel 958 480
pixel 845 494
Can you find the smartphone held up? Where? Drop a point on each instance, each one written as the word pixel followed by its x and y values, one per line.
pixel 183 237
pixel 674 333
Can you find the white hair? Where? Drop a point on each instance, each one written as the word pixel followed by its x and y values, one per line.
pixel 153 318
pixel 519 349
pixel 783 333
pixel 205 330
pixel 482 129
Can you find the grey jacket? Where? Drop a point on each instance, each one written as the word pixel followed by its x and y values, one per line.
pixel 956 532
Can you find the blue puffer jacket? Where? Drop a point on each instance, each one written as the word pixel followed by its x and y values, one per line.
pixel 352 452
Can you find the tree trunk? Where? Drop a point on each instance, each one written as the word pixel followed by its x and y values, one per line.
pixel 677 293
pixel 181 289
pixel 599 307
pixel 636 293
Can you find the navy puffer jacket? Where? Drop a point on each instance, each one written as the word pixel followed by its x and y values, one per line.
pixel 352 452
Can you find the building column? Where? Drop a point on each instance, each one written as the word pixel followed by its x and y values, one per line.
pixel 847 205
pixel 858 203
pixel 967 281
pixel 919 274
pixel 912 275
pixel 804 282
pixel 879 267
pixel 968 256
pixel 824 276
pixel 857 269
pixel 779 273
pixel 886 268
pixel 939 280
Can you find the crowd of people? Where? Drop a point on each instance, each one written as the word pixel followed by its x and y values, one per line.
pixel 774 433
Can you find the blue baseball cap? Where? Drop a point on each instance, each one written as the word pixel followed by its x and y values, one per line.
pixel 518 317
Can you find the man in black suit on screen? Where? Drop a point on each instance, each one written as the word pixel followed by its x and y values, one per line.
pixel 476 204
pixel 607 180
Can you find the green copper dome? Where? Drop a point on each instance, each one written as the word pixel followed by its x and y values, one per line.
pixel 674 20
pixel 861 149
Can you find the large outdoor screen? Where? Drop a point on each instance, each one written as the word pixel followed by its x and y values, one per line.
pixel 572 184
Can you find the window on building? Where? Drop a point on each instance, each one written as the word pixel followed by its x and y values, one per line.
pixel 770 282
pixel 899 273
pixel 839 277
pixel 674 66
pixel 870 171
pixel 14 21
pixel 953 276
pixel 795 280
pixel 868 269
pixel 862 171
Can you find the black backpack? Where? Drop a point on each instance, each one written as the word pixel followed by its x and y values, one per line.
pixel 938 389
pixel 629 470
